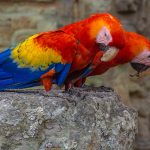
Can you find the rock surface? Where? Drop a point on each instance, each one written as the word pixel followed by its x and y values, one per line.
pixel 81 119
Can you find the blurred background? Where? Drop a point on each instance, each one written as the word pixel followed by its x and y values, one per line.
pixel 20 19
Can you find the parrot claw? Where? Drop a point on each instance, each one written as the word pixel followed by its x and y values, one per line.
pixel 68 86
pixel 45 93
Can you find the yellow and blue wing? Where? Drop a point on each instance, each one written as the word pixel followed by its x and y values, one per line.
pixel 26 63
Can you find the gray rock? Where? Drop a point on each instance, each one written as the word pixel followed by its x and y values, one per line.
pixel 126 6
pixel 81 119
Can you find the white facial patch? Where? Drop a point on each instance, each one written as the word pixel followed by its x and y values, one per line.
pixel 104 36
pixel 143 58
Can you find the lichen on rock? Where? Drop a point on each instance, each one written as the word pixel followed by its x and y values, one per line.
pixel 80 119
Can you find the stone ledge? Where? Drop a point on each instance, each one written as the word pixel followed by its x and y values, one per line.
pixel 81 119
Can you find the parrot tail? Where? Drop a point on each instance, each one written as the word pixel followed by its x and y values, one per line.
pixel 12 77
pixel 26 85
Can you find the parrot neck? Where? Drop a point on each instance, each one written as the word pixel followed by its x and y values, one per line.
pixel 80 30
pixel 86 31
pixel 134 45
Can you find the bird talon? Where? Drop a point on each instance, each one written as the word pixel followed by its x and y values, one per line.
pixel 68 86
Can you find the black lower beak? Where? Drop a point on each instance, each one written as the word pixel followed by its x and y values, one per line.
pixel 103 47
pixel 139 67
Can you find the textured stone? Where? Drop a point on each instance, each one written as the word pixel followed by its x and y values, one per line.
pixel 134 14
pixel 79 119
pixel 78 9
pixel 126 6
pixel 20 19
pixel 135 93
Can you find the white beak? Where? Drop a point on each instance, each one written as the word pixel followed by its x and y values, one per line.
pixel 110 54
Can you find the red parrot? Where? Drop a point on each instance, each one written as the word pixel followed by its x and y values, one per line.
pixel 136 51
pixel 109 38
pixel 96 35
pixel 48 57
pixel 38 58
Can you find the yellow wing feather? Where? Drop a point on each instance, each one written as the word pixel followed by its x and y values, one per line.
pixel 31 54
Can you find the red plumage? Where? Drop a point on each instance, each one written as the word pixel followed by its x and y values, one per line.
pixel 135 44
pixel 49 57
pixel 85 33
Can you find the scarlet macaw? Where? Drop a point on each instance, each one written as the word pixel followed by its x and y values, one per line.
pixel 50 56
pixel 109 38
pixel 136 52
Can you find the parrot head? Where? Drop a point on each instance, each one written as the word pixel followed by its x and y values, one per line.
pixel 108 34
pixel 99 32
pixel 141 62
pixel 136 51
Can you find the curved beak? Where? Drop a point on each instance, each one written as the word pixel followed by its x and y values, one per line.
pixel 103 47
pixel 109 54
pixel 139 67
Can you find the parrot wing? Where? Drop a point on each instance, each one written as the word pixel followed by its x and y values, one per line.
pixel 34 57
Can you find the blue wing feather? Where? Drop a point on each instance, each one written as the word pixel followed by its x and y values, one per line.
pixel 25 85
pixel 61 78
pixel 4 55
pixel 86 72
pixel 14 77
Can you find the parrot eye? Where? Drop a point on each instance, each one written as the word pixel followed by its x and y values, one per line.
pixel 149 56
pixel 103 47
pixel 104 36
